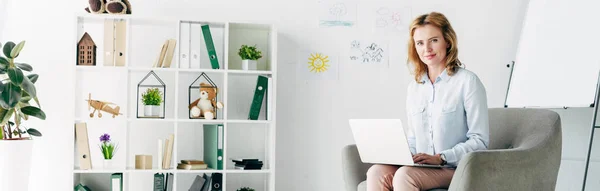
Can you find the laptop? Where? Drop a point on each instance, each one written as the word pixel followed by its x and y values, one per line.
pixel 383 141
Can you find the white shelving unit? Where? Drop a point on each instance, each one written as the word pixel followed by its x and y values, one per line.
pixel 243 138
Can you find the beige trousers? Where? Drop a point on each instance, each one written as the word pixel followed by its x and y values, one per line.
pixel 407 178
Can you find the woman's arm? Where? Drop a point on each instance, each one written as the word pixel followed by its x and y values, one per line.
pixel 476 110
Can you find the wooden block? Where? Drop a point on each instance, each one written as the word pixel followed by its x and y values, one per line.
pixel 143 161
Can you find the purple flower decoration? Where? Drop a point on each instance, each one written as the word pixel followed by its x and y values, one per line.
pixel 105 138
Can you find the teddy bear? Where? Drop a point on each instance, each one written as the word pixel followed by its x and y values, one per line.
pixel 204 107
pixel 109 6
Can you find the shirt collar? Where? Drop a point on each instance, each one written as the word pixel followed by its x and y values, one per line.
pixel 442 77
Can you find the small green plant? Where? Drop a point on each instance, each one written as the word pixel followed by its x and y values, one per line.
pixel 152 96
pixel 249 53
pixel 245 189
pixel 17 90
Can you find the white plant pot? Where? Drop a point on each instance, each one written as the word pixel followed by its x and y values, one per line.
pixel 151 110
pixel 107 164
pixel 15 164
pixel 248 64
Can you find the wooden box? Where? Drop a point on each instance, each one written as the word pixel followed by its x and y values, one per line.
pixel 143 161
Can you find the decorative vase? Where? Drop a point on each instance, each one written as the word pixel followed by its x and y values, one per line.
pixel 151 110
pixel 249 64
pixel 107 164
pixel 15 164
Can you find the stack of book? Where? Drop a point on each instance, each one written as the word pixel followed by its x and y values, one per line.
pixel 192 165
pixel 248 164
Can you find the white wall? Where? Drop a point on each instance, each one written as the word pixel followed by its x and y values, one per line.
pixel 312 115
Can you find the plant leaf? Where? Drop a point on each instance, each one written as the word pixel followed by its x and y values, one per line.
pixel 33 77
pixel 24 66
pixel 5 115
pixel 4 61
pixel 34 111
pixel 34 132
pixel 29 87
pixel 16 76
pixel 17 49
pixel 11 95
pixel 8 47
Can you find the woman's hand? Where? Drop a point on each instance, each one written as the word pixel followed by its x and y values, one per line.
pixel 423 158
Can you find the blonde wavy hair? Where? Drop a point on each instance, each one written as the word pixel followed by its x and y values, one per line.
pixel 439 20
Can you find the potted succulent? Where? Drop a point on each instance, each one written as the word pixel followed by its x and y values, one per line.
pixel 249 55
pixel 17 95
pixel 245 189
pixel 152 99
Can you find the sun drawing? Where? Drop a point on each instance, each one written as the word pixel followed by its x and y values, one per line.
pixel 318 63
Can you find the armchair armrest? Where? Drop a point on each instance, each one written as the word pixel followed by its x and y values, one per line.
pixel 354 170
pixel 506 169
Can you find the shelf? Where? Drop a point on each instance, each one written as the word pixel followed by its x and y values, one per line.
pixel 133 170
pixel 218 71
pixel 152 119
pixel 216 121
pixel 198 171
pixel 98 171
pixel 142 69
pixel 255 72
pixel 100 68
pixel 249 121
pixel 248 171
pixel 123 85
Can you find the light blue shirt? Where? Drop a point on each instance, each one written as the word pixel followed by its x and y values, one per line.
pixel 449 116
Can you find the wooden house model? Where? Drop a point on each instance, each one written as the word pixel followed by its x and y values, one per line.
pixel 86 51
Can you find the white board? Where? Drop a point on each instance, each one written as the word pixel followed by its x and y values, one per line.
pixel 557 60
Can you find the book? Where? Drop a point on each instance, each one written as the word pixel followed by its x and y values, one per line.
pixel 192 166
pixel 81 187
pixel 192 162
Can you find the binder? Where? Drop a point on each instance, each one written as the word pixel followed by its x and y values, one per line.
pixel 184 45
pixel 259 93
pixel 210 46
pixel 197 184
pixel 109 42
pixel 206 186
pixel 83 148
pixel 217 182
pixel 115 42
pixel 120 42
pixel 169 182
pixel 213 146
pixel 159 182
pixel 195 45
pixel 116 182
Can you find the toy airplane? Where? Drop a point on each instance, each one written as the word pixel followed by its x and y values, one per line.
pixel 102 106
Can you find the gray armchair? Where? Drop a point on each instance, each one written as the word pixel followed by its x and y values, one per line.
pixel 524 154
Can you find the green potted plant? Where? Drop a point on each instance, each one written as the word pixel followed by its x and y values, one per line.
pixel 152 99
pixel 249 55
pixel 17 95
pixel 108 149
pixel 245 189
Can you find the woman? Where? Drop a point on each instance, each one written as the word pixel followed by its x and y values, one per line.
pixel 446 106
